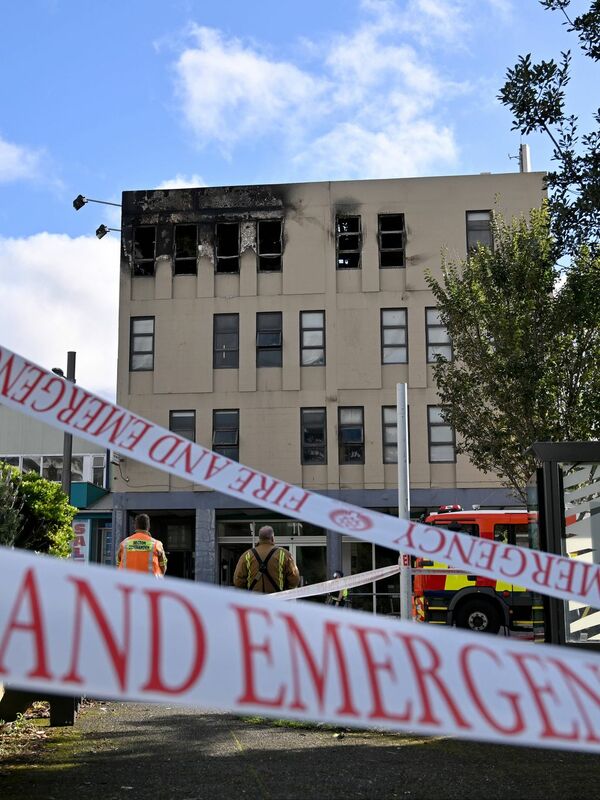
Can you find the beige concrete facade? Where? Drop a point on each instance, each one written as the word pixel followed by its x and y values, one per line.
pixel 269 399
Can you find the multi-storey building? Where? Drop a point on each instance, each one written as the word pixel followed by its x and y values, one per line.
pixel 272 324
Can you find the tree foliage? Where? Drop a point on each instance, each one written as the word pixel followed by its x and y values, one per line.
pixel 535 94
pixel 35 514
pixel 526 345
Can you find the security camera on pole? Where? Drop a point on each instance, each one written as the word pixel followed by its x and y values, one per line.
pixel 403 496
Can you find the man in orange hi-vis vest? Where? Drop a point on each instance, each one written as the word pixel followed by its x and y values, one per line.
pixel 140 552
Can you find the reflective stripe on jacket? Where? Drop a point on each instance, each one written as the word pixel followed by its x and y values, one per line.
pixel 141 553
pixel 281 567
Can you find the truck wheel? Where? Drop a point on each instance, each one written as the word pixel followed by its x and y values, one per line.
pixel 478 615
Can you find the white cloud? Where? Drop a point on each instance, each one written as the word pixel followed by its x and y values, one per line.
pixel 59 294
pixel 18 163
pixel 182 182
pixel 375 107
pixel 229 91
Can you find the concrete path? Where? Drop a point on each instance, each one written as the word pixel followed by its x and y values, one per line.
pixel 127 750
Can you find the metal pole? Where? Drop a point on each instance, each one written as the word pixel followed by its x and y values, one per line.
pixel 403 496
pixel 68 439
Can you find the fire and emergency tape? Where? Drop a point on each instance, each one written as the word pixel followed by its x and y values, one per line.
pixel 26 387
pixel 89 630
pixel 336 584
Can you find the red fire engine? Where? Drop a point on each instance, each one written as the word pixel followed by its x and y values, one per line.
pixel 470 601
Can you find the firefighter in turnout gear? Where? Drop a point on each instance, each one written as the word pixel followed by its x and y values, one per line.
pixel 266 568
pixel 140 552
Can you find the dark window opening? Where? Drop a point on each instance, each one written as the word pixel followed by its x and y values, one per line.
pixel 479 230
pixel 144 249
pixel 270 245
pixel 391 240
pixel 349 242
pixel 186 248
pixel 226 430
pixel 226 336
pixel 141 344
pixel 269 343
pixel 351 435
pixel 227 246
pixel 314 435
pixel 183 423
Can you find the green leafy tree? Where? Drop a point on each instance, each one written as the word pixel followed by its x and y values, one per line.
pixel 39 517
pixel 526 345
pixel 535 93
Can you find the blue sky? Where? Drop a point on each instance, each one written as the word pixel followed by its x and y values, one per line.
pixel 97 98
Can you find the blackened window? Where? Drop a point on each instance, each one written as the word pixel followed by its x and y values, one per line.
pixel 442 444
pixel 438 340
pixel 227 246
pixel 391 240
pixel 312 338
pixel 183 423
pixel 269 343
pixel 186 249
pixel 144 249
pixel 141 344
pixel 269 236
pixel 479 230
pixel 313 422
pixel 226 338
pixel 349 242
pixel 394 336
pixel 351 435
pixel 226 431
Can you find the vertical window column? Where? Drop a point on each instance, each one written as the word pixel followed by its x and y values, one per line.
pixel 226 341
pixel 141 344
pixel 312 338
pixel 479 230
pixel 313 425
pixel 183 423
pixel 269 341
pixel 226 431
pixel 348 241
pixel 269 235
pixel 144 249
pixel 442 443
pixel 438 340
pixel 351 435
pixel 391 240
pixel 394 336
pixel 227 247
pixel 186 250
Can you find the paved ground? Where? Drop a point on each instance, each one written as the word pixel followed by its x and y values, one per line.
pixel 125 750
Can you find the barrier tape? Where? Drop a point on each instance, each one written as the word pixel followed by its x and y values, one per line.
pixel 336 584
pixel 26 387
pixel 88 630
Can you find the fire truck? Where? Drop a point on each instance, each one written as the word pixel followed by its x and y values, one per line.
pixel 449 597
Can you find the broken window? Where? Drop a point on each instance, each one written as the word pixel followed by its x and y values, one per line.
pixel 186 248
pixel 226 431
pixel 227 246
pixel 391 240
pixel 268 339
pixel 270 246
pixel 144 249
pixel 349 242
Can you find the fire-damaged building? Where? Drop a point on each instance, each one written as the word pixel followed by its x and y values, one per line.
pixel 272 324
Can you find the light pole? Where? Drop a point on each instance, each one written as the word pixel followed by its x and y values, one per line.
pixel 68 438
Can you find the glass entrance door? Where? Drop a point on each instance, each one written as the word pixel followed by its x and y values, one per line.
pixel 312 564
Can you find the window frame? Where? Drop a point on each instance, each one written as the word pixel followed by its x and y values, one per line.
pixel 139 269
pixel 383 328
pixel 429 344
pixel 220 448
pixel 266 257
pixel 234 258
pixel 269 348
pixel 395 231
pixel 470 229
pixel 345 426
pixel 184 260
pixel 430 444
pixel 192 413
pixel 303 347
pixel 133 336
pixel 220 351
pixel 339 252
pixel 304 444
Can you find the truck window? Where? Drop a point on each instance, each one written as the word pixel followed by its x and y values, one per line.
pixel 512 534
pixel 462 527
